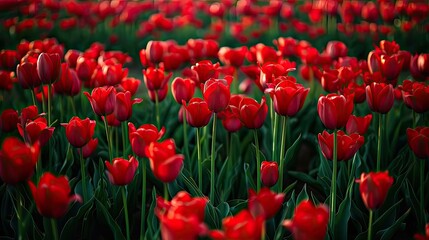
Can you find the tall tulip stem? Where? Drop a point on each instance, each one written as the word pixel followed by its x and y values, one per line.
pixel 109 144
pixel 282 153
pixel 143 211
pixel 422 191
pixel 200 164
pixel 49 104
pixel 212 163
pixel 370 224
pixel 127 224
pixel 185 138
pixel 275 123
pixel 166 191
pixel 158 120
pixel 380 124
pixel 54 228
pixel 33 97
pixel 258 161
pixel 334 183
pixel 83 175
pixel 124 139
pixel 20 217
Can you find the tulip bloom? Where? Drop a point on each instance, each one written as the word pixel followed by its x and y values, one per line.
pixel 334 110
pixel 253 114
pixel 164 161
pixel 8 120
pixel 124 105
pixel 36 130
pixel 52 195
pixel 358 125
pixel 89 148
pixel 348 145
pixel 241 226
pixel 266 203
pixel 216 93
pixel 232 56
pixel 183 204
pixel 309 221
pixel 417 97
pixel 69 83
pixel 27 75
pixel 373 188
pixel 160 94
pixel 122 171
pixel 48 67
pixel 336 49
pixel 79 132
pixel 418 140
pixel 155 78
pixel 380 97
pixel 182 89
pixel 205 70
pixel 17 160
pixel 269 173
pixel 197 113
pixel 141 137
pixel 130 84
pixel 288 97
pixel 103 100
pixel 85 68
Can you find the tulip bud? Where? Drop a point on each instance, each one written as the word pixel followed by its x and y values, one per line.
pixel 380 97
pixel 216 93
pixel 79 132
pixel 48 67
pixel 418 140
pixel 334 110
pixel 373 188
pixel 122 171
pixel 269 173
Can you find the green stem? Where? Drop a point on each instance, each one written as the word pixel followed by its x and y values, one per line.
pixel 49 104
pixel 212 163
pixel 124 137
pixel 158 120
pixel 54 228
pixel 166 191
pixel 370 224
pixel 143 213
pixel 334 184
pixel 185 138
pixel 83 174
pixel 106 127
pixel 43 100
pixel 282 153
pixel 422 190
pixel 33 97
pixel 20 217
pixel 276 119
pixel 200 163
pixel 71 101
pixel 380 124
pixel 258 161
pixel 127 224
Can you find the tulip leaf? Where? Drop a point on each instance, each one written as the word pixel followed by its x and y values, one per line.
pixel 211 216
pixel 70 229
pixel 302 195
pixel 386 217
pixel 397 225
pixel 192 185
pixel 237 205
pixel 411 199
pixel 343 215
pixel 291 152
pixel 306 179
pixel 153 222
pixel 250 184
pixel 289 188
pixel 116 230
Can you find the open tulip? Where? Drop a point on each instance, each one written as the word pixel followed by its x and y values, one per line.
pixel 141 137
pixel 216 93
pixel 103 100
pixel 17 160
pixel 380 97
pixel 334 110
pixel 269 173
pixel 183 204
pixel 253 114
pixel 197 112
pixel 122 171
pixel 418 140
pixel 358 124
pixel 265 203
pixel 309 221
pixel 288 97
pixel 36 130
pixel 373 188
pixel 52 195
pixel 79 132
pixel 205 70
pixel 348 145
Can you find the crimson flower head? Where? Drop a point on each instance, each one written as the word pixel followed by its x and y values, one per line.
pixel 266 203
pixel 421 236
pixel 85 67
pixel 373 188
pixel 269 173
pixel 231 115
pixel 124 105
pixel 348 145
pixel 155 51
pixel 27 75
pixel 416 96
pixel 161 94
pixel 17 160
pixel 288 97
pixel 71 57
pixel 309 221
pixel 130 84
pixel 241 226
pixel 164 161
pixel 69 83
pixel 143 136
pixel 49 67
pixel 389 66
pixel 155 78
pixel 8 120
pixel 380 97
pixel 216 93
pixel 36 130
pixel 52 195
pixel 418 140
pixel 205 70
pixel 182 89
pixel 197 112
pixel 334 110
pixel 253 114
pixel 89 148
pixel 103 100
pixel 336 49
pixel 232 56
pixel 79 132
pixel 122 171
pixel 357 124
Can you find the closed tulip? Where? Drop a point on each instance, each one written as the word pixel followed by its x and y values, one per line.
pixel 216 93
pixel 253 114
pixel 336 49
pixel 334 110
pixel 122 171
pixel 358 125
pixel 48 67
pixel 373 188
pixel 182 89
pixel 103 100
pixel 265 203
pixel 418 140
pixel 269 173
pixel 197 112
pixel 130 84
pixel 164 161
pixel 309 222
pixel 79 132
pixel 85 68
pixel 27 75
pixel 69 83
pixel 8 120
pixel 17 160
pixel 288 97
pixel 124 105
pixel 155 51
pixel 52 195
pixel 416 97
pixel 141 137
pixel 71 57
pixel 380 97
pixel 155 78
pixel 241 226
pixel 348 145
pixel 89 148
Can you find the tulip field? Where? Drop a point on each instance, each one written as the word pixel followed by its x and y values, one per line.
pixel 217 119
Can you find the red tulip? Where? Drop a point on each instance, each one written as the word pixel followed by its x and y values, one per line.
pixel 336 49
pixel 266 203
pixel 348 145
pixel 232 56
pixel 7 80
pixel 8 59
pixel 161 94
pixel 183 204
pixel 423 63
pixel 231 117
pixel 418 140
pixel 424 236
pixel 130 84
pixel 373 188
pixel 27 75
pixel 416 97
pixel 71 57
pixel 389 66
pixel 205 70
pixel 309 222
pixel 288 97
pixel 334 110
pixel 17 160
pixel 287 46
pixel 79 132
pixel 269 173
pixel 124 105
pixel 111 120
pixel 8 120
pixel 155 78
pixel 113 73
pixel 216 93
pixel 358 125
pixel 182 89
pixel 141 138
pixel 197 113
pixel 253 114
pixel 69 83
pixel 85 68
pixel 103 100
pixel 36 130
pixel 89 148
pixel 155 51
pixel 241 226
pixel 164 161
pixel 380 97
pixel 48 67
pixel 52 195
pixel 122 171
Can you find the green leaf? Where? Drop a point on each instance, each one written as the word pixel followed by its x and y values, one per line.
pixel 343 215
pixel 398 225
pixel 291 152
pixel 114 227
pixel 72 226
pixel 302 195
pixel 250 184
pixel 303 177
